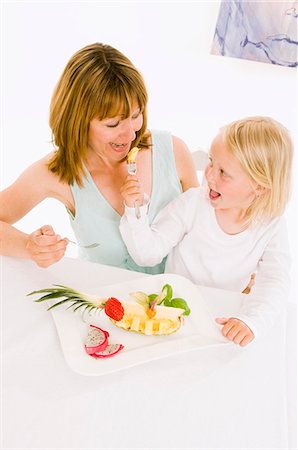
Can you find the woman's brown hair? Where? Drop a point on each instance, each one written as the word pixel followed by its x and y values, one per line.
pixel 98 82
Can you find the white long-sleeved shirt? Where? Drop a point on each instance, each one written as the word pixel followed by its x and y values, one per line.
pixel 197 248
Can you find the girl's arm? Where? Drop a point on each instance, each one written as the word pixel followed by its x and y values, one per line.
pixel 268 295
pixel 149 245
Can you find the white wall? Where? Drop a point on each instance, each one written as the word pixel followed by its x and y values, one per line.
pixel 192 93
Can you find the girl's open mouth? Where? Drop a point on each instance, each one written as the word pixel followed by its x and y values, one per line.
pixel 213 195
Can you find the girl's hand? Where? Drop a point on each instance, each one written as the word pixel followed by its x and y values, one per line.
pixel 250 284
pixel 235 330
pixel 45 247
pixel 131 191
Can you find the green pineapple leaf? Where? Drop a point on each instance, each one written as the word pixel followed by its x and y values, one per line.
pixel 76 298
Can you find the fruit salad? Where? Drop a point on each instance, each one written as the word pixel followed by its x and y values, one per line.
pixel 149 314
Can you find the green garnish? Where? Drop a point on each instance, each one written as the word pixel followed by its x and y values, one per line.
pixel 178 303
pixel 164 297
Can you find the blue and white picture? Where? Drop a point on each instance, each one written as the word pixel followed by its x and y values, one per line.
pixel 263 31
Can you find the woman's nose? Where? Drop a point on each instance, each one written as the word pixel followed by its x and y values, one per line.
pixel 128 131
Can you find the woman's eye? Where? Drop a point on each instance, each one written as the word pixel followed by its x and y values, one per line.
pixel 112 125
pixel 223 173
pixel 135 116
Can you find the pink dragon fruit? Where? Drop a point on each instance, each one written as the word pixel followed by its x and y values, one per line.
pixel 110 350
pixel 96 340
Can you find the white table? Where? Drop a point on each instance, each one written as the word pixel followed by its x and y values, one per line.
pixel 221 397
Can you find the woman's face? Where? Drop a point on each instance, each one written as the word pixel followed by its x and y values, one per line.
pixel 111 138
pixel 229 186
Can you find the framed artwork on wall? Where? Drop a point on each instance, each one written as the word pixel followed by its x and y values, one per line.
pixel 263 31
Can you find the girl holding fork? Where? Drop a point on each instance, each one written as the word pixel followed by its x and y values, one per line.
pixel 219 234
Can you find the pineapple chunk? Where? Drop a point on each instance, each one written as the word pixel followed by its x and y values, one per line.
pixel 135 324
pixel 149 327
pixel 167 320
pixel 165 326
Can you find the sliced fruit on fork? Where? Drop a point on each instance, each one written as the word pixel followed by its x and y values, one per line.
pixel 132 155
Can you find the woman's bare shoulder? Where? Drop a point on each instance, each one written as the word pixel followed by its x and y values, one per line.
pixel 39 167
pixel 184 164
pixel 37 180
pixel 55 187
pixel 30 188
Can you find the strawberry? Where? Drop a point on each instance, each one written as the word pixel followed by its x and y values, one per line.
pixel 114 309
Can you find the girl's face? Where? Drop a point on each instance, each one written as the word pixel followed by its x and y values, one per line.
pixel 111 138
pixel 229 186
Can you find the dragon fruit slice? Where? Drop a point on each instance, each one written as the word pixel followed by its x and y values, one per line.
pixel 96 340
pixel 110 350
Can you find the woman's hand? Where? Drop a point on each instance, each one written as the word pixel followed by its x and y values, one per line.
pixel 45 247
pixel 235 330
pixel 131 191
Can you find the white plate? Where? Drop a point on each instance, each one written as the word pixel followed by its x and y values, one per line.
pixel 198 329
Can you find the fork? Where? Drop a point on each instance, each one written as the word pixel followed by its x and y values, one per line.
pixel 132 170
pixel 95 244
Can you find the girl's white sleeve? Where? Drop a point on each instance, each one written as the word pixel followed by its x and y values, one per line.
pixel 149 245
pixel 268 296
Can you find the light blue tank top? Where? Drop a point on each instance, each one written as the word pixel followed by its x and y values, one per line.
pixel 97 221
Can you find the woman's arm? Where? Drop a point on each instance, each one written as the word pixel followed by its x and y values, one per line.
pixel 43 246
pixel 184 164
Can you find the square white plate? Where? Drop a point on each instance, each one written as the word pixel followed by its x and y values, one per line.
pixel 198 329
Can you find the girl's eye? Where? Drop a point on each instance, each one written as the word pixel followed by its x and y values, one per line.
pixel 223 173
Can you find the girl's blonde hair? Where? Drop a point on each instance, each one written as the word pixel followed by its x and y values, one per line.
pixel 98 82
pixel 265 151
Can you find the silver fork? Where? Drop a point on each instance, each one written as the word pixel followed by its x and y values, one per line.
pixel 95 244
pixel 132 170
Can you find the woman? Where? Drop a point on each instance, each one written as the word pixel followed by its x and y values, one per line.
pixel 97 114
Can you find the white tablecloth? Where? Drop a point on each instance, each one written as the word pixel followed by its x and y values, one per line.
pixel 221 397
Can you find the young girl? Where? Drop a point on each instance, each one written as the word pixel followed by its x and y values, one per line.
pixel 220 234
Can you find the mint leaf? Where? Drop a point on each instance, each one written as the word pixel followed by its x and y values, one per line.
pixel 180 303
pixel 167 292
pixel 167 303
